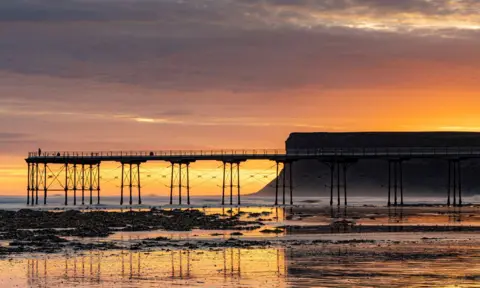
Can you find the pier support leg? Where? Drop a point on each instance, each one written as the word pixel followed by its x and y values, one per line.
pixel 98 183
pixel 83 183
pixel 224 180
pixel 389 183
pixel 338 184
pixel 449 183
pixel 332 177
pixel 400 167
pixel 66 184
pixel 459 167
pixel 284 180
pixel 231 184
pixel 238 183
pixel 395 182
pixel 180 184
pixel 130 184
pixel 177 179
pixel 37 183
pixel 45 185
pixel 276 185
pixel 454 184
pixel 345 183
pixel 74 184
pixel 122 184
pixel 188 183
pixel 28 184
pixel 171 183
pixel 139 186
pixel 33 184
pixel 91 184
pixel 291 183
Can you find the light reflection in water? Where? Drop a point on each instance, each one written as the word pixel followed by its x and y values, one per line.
pixel 221 268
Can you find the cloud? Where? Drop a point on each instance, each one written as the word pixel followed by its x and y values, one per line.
pixel 129 71
pixel 242 46
pixel 7 137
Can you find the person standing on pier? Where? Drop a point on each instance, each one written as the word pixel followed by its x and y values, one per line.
pixel 39 152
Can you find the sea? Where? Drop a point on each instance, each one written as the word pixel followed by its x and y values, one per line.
pixel 390 259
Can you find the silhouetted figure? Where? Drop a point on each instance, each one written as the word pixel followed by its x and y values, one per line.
pixel 39 152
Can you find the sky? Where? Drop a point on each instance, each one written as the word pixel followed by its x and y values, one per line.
pixel 221 74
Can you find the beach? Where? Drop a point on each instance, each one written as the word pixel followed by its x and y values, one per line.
pixel 301 246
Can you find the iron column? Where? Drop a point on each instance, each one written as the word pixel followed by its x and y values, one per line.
pixel 180 184
pixel 459 163
pixel 91 184
pixel 171 183
pixel 332 172
pixel 131 185
pixel 66 184
pixel 36 188
pixel 75 184
pixel 284 182
pixel 395 172
pixel 291 183
pixel 28 184
pixel 188 184
pixel 449 181
pixel 276 187
pixel 231 184
pixel 454 184
pixel 345 182
pixel 238 182
pixel 223 186
pixel 389 183
pixel 98 183
pixel 338 183
pixel 83 183
pixel 122 184
pixel 139 186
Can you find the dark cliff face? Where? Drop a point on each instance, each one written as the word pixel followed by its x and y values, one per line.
pixel 422 177
pixel 382 139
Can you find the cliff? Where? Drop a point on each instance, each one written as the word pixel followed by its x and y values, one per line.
pixel 370 177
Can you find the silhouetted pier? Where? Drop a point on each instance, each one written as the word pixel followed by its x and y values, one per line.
pixel 81 171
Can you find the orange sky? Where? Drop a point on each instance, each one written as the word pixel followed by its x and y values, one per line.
pixel 228 74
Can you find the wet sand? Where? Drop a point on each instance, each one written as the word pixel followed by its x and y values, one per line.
pixel 444 251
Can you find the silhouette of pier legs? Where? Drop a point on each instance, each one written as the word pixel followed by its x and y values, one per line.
pixel 231 180
pixel 48 176
pixel 395 181
pixel 454 182
pixel 130 180
pixel 287 169
pixel 180 178
pixel 338 172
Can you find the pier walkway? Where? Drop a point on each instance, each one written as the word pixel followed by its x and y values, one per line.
pixel 82 170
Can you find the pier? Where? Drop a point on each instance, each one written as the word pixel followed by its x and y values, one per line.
pixel 80 172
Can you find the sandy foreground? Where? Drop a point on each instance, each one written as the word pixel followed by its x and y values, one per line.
pixel 258 247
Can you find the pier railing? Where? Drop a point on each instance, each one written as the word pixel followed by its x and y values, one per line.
pixel 320 152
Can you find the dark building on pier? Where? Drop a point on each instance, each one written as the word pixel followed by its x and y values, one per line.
pixel 370 177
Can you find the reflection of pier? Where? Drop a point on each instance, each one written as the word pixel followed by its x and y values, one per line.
pixel 77 171
pixel 230 264
pixel 455 215
pixel 396 215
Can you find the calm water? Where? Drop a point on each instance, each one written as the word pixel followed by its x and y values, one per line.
pixel 384 265
pixel 17 202
pixel 424 259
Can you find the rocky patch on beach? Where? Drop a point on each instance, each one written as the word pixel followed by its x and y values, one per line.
pixel 102 224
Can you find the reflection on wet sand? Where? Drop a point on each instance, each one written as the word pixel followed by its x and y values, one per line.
pixel 415 264
pixel 142 269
